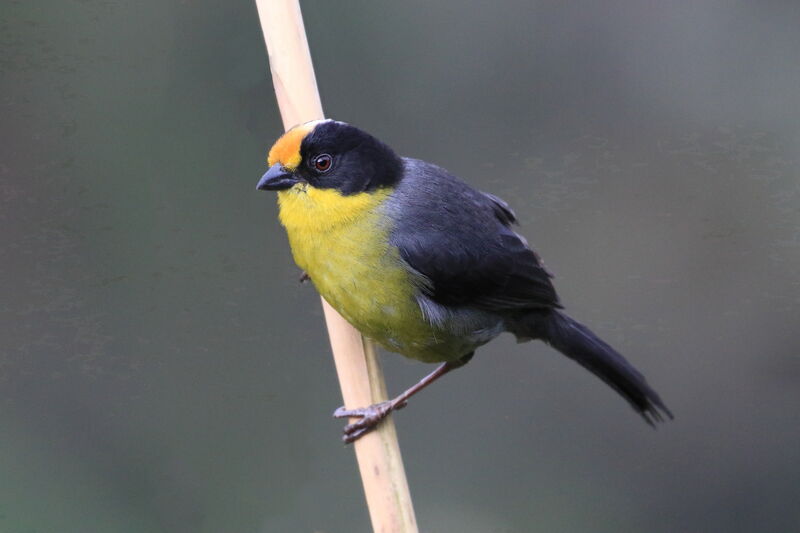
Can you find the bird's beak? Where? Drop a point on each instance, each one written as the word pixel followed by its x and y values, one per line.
pixel 276 179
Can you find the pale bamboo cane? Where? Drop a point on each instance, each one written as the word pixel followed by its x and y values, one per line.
pixel 360 377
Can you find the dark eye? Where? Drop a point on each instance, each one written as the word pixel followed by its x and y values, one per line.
pixel 323 162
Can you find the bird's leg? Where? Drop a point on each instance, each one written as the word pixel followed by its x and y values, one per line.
pixel 369 417
pixel 304 277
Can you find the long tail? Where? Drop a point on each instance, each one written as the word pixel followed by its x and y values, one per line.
pixel 577 342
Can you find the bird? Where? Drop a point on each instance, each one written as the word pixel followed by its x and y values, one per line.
pixel 422 263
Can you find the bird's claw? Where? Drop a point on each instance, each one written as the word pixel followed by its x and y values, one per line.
pixel 304 277
pixel 368 418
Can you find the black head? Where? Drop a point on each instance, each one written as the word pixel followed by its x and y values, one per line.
pixel 331 155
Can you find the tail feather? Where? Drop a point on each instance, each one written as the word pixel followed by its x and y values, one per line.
pixel 577 342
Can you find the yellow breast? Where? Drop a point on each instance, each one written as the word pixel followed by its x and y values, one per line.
pixel 332 235
pixel 342 243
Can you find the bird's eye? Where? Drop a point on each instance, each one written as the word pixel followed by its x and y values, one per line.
pixel 323 162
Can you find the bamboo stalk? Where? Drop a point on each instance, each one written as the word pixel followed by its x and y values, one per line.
pixel 360 377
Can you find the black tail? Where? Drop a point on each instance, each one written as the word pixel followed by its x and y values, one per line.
pixel 577 342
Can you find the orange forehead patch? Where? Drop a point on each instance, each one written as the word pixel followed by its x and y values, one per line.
pixel 286 150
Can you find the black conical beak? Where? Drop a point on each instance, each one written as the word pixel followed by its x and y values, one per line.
pixel 276 179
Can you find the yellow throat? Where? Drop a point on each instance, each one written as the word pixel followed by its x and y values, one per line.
pixel 323 225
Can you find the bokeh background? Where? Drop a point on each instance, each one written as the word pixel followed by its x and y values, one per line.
pixel 161 370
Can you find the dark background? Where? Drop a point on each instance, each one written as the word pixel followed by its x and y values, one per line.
pixel 161 370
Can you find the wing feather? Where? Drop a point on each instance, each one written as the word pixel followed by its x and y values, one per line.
pixel 469 256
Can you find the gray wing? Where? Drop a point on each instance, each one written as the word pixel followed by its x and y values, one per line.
pixel 461 241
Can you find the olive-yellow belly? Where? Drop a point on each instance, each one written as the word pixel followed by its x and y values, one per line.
pixel 342 243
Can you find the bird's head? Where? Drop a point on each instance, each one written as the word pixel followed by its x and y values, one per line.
pixel 327 154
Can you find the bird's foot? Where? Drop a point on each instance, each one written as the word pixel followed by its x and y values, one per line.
pixel 369 418
pixel 304 277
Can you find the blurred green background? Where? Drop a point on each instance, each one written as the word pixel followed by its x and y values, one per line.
pixel 161 370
